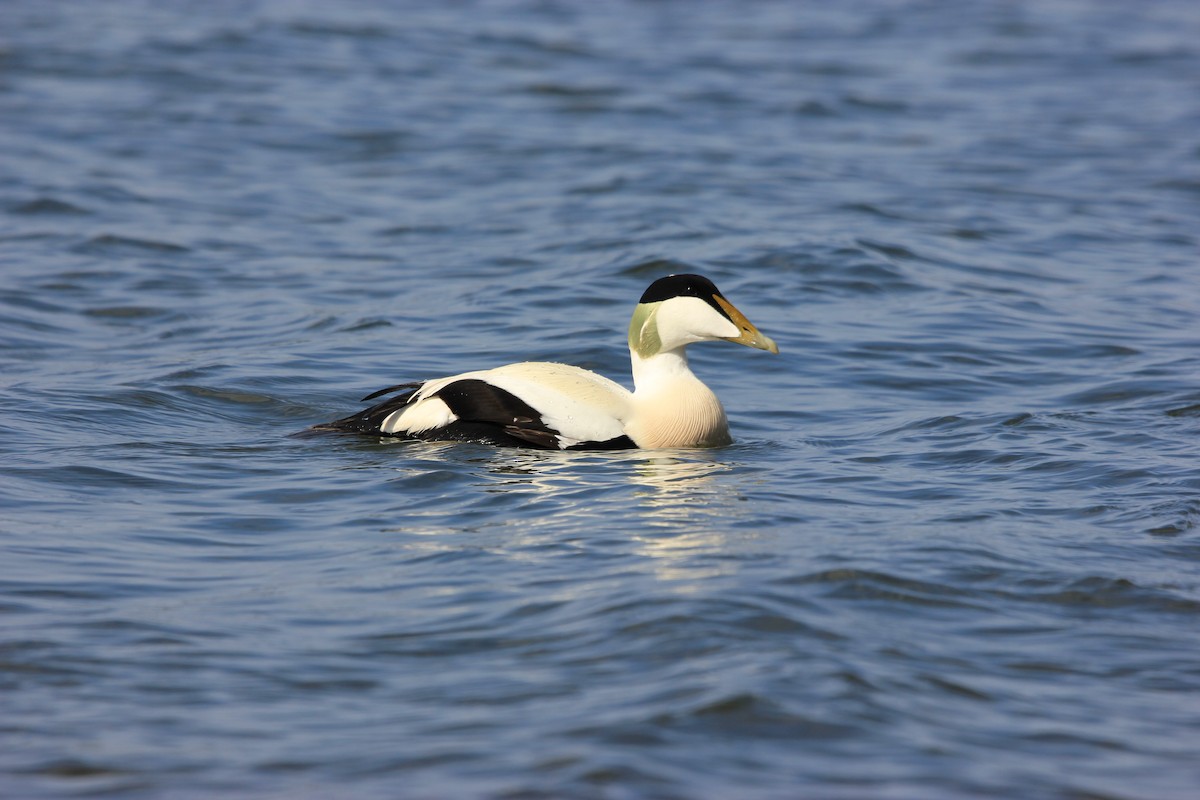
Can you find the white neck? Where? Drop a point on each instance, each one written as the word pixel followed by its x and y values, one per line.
pixel 671 406
pixel 659 369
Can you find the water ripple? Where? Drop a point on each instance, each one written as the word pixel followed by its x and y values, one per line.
pixel 952 551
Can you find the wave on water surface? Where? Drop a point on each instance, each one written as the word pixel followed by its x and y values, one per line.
pixel 951 552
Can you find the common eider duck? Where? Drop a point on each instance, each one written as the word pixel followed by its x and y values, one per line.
pixel 555 406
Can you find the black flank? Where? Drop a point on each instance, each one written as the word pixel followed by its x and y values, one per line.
pixel 479 404
pixel 486 414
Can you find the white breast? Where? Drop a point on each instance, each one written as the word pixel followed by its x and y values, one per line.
pixel 679 413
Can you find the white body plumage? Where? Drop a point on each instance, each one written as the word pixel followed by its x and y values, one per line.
pixel 558 406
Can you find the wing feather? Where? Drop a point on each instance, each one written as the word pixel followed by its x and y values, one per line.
pixel 530 404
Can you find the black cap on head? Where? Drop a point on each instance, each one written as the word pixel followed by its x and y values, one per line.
pixel 685 285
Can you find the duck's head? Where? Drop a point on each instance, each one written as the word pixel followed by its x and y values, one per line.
pixel 681 309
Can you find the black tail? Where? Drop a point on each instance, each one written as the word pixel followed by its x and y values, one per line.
pixel 369 420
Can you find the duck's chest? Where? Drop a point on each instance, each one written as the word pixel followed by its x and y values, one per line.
pixel 678 414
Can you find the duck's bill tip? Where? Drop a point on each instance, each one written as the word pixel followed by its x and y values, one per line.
pixel 750 335
pixel 755 338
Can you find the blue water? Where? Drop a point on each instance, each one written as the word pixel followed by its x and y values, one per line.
pixel 953 552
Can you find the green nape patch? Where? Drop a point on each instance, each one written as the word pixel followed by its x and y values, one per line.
pixel 643 330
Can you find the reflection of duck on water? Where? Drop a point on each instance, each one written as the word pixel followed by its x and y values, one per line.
pixel 561 407
pixel 659 493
